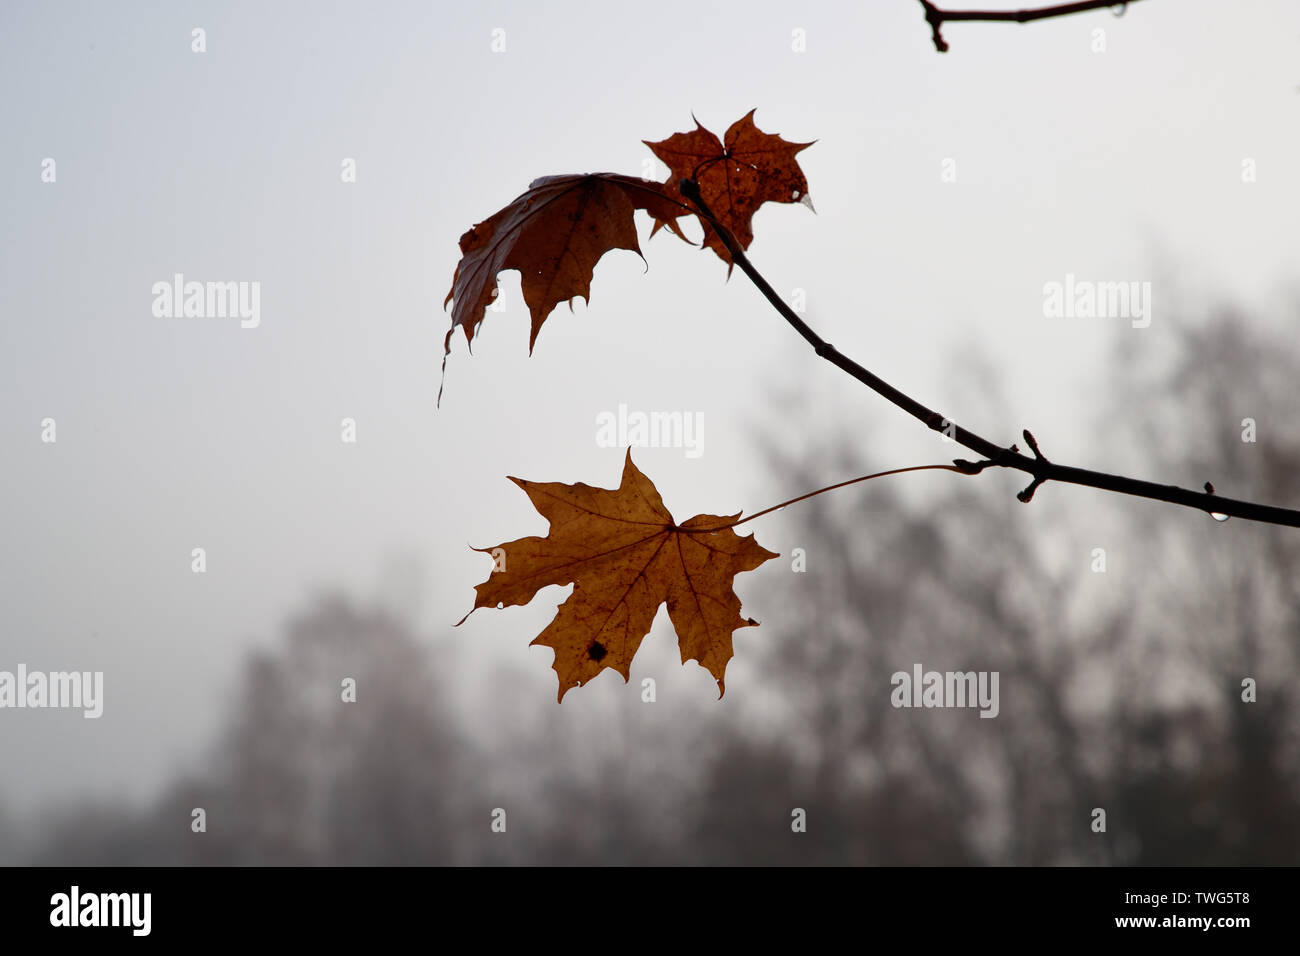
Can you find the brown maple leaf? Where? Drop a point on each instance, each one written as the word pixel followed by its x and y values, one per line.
pixel 625 556
pixel 736 175
pixel 554 234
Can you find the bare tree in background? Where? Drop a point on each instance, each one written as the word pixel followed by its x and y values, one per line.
pixel 1132 704
pixel 1135 708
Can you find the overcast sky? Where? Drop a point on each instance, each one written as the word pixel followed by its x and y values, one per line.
pixel 1113 156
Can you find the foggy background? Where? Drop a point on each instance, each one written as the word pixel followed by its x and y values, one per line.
pixel 327 559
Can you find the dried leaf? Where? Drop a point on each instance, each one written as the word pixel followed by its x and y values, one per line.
pixel 625 556
pixel 736 175
pixel 554 234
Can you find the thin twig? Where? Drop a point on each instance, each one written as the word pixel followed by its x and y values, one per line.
pixel 995 456
pixel 937 18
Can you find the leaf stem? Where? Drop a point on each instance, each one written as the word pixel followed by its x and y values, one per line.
pixel 822 491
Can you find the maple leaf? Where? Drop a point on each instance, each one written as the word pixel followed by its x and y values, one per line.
pixel 553 234
pixel 736 175
pixel 625 556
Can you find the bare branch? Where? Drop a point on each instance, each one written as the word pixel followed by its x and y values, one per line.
pixel 937 18
pixel 1039 467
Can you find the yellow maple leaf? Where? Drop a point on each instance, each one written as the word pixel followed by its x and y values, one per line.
pixel 625 556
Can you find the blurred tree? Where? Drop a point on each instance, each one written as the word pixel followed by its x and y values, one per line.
pixel 1132 703
pixel 301 776
pixel 1133 706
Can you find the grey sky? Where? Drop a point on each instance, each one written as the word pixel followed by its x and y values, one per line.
pixel 183 433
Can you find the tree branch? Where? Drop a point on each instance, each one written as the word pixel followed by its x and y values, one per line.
pixel 1039 466
pixel 937 18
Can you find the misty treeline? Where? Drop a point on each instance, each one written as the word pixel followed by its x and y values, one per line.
pixel 1121 644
